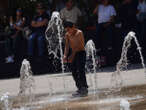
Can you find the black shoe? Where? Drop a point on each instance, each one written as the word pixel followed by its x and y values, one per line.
pixel 81 93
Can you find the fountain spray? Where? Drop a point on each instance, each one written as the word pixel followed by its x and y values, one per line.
pixel 54 33
pixel 91 51
pixel 27 83
pixel 124 104
pixel 116 80
pixel 5 103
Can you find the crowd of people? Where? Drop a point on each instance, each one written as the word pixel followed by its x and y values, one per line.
pixel 101 21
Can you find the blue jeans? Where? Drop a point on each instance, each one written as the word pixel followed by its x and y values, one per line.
pixel 40 42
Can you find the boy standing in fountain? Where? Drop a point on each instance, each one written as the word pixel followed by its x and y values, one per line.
pixel 74 39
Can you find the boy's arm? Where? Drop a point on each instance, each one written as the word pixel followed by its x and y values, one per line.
pixel 82 38
pixel 66 50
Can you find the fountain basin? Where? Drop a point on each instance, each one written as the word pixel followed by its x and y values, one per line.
pixel 133 90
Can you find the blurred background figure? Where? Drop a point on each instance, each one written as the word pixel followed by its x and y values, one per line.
pixel 128 17
pixel 38 24
pixel 103 41
pixel 58 5
pixel 127 14
pixel 16 34
pixel 141 14
pixel 141 17
pixel 71 13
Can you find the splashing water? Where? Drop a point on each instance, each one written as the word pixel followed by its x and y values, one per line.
pixel 124 105
pixel 50 88
pixel 27 83
pixel 5 102
pixel 54 32
pixel 91 52
pixel 54 36
pixel 123 62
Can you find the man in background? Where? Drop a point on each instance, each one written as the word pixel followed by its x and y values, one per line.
pixel 39 25
pixel 71 13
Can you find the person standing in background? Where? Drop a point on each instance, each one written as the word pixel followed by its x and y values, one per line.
pixel 71 13
pixel 104 28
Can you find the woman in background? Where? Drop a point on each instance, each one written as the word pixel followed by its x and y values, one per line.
pixel 16 27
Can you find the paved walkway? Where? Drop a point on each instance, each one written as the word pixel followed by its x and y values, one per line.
pixel 46 84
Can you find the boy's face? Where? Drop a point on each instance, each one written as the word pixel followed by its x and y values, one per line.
pixel 69 30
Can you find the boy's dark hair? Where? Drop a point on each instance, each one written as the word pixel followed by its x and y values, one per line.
pixel 68 24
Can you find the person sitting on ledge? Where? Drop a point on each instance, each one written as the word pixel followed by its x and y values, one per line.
pixel 16 26
pixel 74 39
pixel 39 25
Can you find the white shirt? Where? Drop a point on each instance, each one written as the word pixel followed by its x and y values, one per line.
pixel 105 13
pixel 70 15
pixel 142 7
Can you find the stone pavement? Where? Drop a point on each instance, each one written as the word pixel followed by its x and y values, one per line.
pixel 52 84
